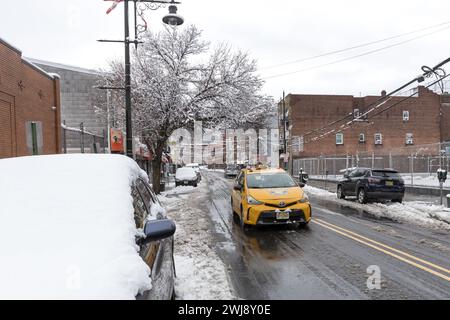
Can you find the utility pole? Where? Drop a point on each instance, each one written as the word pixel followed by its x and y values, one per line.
pixel 172 19
pixel 129 127
pixel 284 130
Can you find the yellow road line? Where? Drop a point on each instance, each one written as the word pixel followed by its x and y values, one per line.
pixel 438 274
pixel 387 247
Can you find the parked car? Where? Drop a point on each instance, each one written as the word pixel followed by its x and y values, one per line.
pixel 372 185
pixel 231 170
pixel 186 176
pixel 196 167
pixel 269 197
pixel 82 227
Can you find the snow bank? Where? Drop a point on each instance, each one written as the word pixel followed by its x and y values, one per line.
pixel 201 274
pixel 415 212
pixel 67 229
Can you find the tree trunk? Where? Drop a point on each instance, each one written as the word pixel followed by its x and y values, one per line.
pixel 156 167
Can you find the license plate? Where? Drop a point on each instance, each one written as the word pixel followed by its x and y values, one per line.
pixel 283 215
pixel 390 183
pixel 185 183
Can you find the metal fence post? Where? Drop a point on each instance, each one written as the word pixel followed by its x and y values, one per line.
pixel 412 169
pixel 64 137
pixel 82 137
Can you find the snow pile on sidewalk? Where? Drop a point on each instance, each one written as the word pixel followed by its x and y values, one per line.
pixel 416 212
pixel 201 274
pixel 67 229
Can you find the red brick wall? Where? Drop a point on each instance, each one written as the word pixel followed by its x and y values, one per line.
pixel 445 122
pixel 32 100
pixel 310 112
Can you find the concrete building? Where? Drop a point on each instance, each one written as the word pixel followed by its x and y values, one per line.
pixel 78 98
pixel 29 106
pixel 328 125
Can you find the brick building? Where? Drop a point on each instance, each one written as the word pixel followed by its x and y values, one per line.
pixel 318 125
pixel 29 106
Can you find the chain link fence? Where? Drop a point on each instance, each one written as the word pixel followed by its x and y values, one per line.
pixel 413 162
pixel 81 140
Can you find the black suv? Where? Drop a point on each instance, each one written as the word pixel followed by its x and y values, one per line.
pixel 372 184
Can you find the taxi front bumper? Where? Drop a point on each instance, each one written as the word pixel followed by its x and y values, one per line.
pixel 267 215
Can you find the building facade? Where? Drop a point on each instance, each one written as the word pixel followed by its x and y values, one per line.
pixel 29 106
pixel 331 125
pixel 79 96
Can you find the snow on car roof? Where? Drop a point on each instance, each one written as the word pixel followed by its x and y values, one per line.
pixel 67 228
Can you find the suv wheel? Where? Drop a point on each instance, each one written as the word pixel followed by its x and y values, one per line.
pixel 362 196
pixel 340 193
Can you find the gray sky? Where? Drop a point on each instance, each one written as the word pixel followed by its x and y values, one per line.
pixel 272 32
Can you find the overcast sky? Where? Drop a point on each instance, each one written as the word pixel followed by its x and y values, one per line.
pixel 272 32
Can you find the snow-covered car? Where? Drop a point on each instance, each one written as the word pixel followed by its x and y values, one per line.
pixel 196 167
pixel 186 176
pixel 82 227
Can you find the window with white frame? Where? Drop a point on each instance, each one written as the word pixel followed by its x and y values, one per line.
pixel 355 113
pixel 378 139
pixel 339 138
pixel 409 139
pixel 405 115
pixel 362 138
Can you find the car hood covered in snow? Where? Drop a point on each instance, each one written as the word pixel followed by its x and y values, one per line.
pixel 67 228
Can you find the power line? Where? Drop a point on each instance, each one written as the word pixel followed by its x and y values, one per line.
pixel 354 47
pixel 356 56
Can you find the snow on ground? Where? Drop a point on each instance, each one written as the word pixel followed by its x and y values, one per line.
pixel 67 228
pixel 201 274
pixel 415 212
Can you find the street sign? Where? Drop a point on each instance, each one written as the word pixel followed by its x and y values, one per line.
pixel 117 142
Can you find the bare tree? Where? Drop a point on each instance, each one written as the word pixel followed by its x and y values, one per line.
pixel 175 82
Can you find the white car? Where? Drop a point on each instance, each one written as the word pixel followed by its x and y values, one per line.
pixel 196 167
pixel 82 227
pixel 186 176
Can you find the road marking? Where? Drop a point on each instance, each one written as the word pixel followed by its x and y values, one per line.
pixel 359 238
pixel 387 247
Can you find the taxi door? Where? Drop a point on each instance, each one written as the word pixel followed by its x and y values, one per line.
pixel 237 194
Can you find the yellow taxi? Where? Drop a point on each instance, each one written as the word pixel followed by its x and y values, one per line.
pixel 264 196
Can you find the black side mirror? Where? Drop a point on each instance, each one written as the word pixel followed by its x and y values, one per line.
pixel 157 230
pixel 237 187
pixel 302 185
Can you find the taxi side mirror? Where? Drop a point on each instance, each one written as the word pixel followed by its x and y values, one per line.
pixel 237 187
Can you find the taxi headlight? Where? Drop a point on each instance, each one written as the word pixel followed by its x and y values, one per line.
pixel 305 199
pixel 253 201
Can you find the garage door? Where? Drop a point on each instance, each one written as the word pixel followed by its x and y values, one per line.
pixel 6 129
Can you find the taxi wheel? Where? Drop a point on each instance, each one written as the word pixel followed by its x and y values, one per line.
pixel 303 225
pixel 243 225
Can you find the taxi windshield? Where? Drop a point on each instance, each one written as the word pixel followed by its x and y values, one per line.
pixel 270 180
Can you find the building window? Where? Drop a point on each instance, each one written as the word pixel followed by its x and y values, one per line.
pixel 409 139
pixel 405 115
pixel 340 139
pixel 362 138
pixel 378 139
pixel 355 113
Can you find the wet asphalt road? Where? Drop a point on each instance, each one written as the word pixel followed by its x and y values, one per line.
pixel 329 258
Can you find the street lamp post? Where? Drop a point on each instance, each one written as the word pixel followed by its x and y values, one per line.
pixel 171 19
